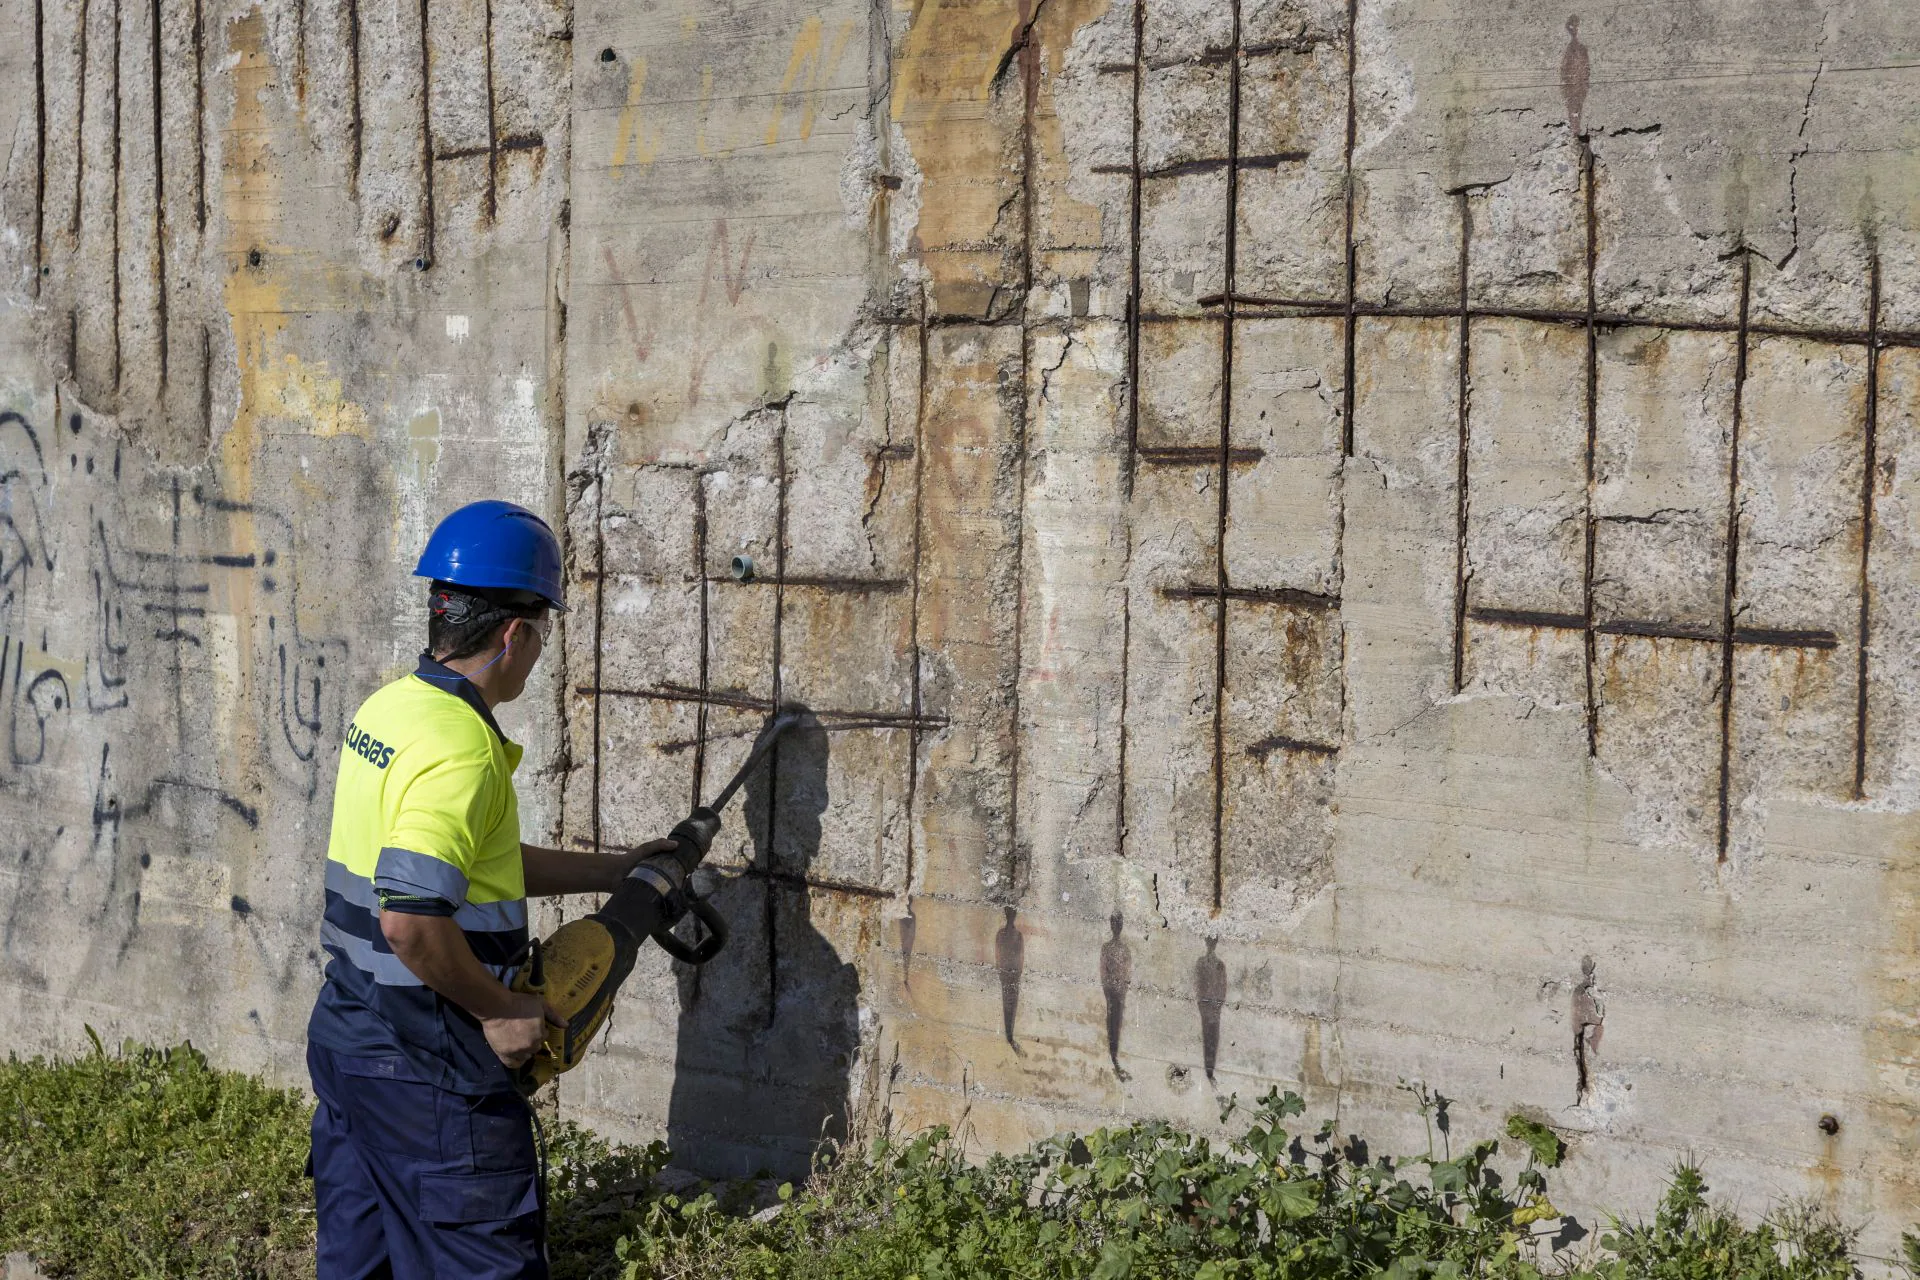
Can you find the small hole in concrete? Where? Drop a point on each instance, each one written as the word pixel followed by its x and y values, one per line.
pixel 607 55
pixel 253 257
pixel 1829 1124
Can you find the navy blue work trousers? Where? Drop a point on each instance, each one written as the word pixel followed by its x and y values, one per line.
pixel 411 1182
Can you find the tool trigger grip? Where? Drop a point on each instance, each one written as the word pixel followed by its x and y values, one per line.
pixel 705 949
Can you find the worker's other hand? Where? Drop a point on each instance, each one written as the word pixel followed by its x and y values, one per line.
pixel 519 1035
pixel 628 861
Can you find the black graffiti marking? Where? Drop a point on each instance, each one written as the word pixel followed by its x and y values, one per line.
pixel 107 663
pixel 47 696
pixel 150 799
pixel 23 544
pixel 106 808
pixel 306 698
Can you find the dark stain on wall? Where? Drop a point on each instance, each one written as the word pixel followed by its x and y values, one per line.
pixel 907 925
pixel 1116 975
pixel 1009 957
pixel 1210 994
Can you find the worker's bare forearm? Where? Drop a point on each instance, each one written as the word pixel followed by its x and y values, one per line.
pixel 551 872
pixel 435 950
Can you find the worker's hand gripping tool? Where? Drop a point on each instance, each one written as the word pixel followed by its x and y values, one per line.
pixel 582 965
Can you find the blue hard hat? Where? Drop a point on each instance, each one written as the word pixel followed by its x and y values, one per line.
pixel 497 545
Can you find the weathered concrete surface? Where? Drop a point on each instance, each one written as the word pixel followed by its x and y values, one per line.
pixel 1326 543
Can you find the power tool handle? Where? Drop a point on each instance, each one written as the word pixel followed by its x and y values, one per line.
pixel 693 835
pixel 705 949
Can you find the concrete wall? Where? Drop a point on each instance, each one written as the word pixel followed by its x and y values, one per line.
pixel 1327 542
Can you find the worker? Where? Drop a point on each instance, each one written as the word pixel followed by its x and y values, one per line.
pixel 424 1154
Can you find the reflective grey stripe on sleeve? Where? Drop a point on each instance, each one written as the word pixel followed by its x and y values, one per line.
pixel 355 889
pixel 416 874
pixel 387 970
pixel 492 917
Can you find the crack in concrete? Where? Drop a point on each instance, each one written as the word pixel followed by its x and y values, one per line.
pixel 1793 160
pixel 1021 38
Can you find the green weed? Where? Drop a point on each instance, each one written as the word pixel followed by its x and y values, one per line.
pixel 148 1163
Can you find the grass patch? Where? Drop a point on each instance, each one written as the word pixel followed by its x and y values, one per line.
pixel 149 1163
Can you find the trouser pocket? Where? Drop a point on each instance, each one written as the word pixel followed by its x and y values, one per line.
pixel 388 1110
pixel 466 1199
pixel 500 1129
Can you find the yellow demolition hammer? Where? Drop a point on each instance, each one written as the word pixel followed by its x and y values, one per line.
pixel 582 965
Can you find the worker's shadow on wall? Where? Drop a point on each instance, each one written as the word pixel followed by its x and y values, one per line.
pixel 770 1027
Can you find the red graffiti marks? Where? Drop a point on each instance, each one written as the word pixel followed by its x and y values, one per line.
pixel 642 343
pixel 733 282
pixel 732 278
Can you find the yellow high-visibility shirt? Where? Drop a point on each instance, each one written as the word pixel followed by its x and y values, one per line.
pixel 426 821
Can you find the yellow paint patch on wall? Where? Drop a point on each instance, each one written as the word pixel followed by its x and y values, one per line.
pixel 308 394
pixel 255 307
pixel 635 139
pixel 809 65
pixel 423 433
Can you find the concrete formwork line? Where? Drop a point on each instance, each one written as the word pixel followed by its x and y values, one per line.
pixel 1732 582
pixel 1869 463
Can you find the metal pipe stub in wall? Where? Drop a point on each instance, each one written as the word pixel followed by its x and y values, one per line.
pixel 743 568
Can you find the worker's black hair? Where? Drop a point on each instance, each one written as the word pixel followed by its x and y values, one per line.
pixel 461 621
